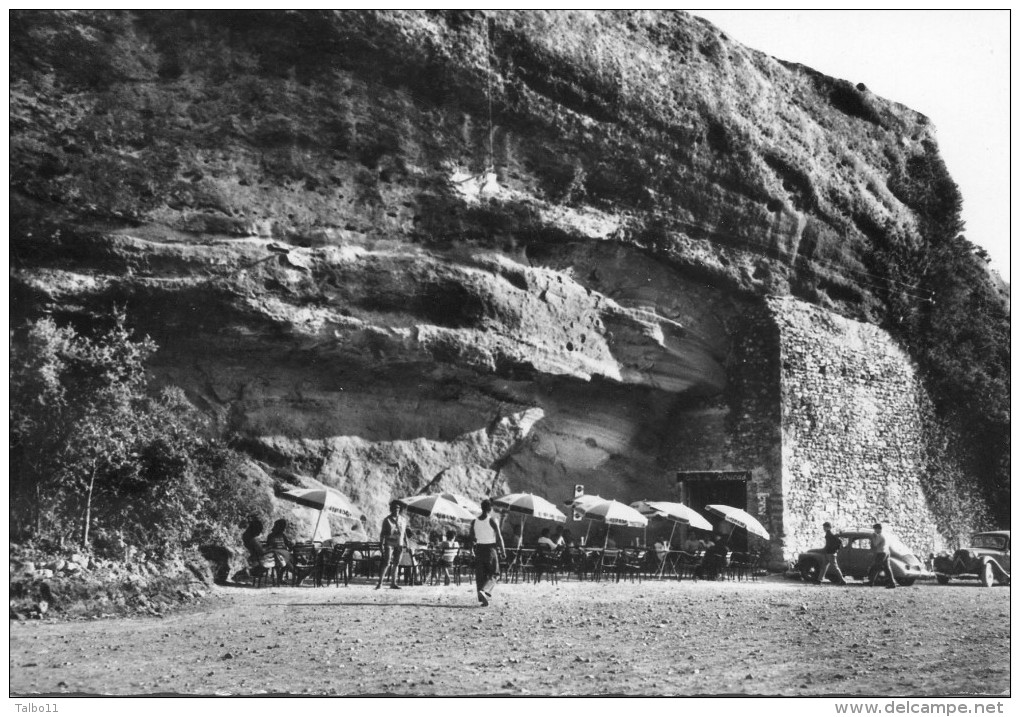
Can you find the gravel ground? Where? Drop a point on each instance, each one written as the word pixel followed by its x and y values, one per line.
pixel 770 637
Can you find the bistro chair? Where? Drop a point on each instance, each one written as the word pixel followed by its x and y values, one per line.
pixel 304 560
pixel 630 562
pixel 607 562
pixel 547 562
pixel 685 564
pixel 332 564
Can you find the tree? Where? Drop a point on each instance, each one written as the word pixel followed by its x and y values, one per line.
pixel 95 456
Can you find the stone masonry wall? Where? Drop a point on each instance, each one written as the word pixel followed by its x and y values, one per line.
pixel 739 429
pixel 853 421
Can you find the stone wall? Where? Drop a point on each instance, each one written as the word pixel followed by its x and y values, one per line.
pixel 853 420
pixel 739 429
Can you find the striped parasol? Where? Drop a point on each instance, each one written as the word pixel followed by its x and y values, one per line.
pixel 436 507
pixel 612 512
pixel 528 504
pixel 324 500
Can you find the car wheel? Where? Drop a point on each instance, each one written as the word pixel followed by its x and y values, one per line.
pixel 988 575
pixel 809 572
pixel 942 579
pixel 906 582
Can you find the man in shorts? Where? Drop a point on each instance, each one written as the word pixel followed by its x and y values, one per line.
pixel 392 538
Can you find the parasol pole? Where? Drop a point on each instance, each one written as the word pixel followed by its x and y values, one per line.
pixel 315 530
pixel 669 546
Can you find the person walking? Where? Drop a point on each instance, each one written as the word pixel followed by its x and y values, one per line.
pixel 832 546
pixel 392 538
pixel 880 557
pixel 488 546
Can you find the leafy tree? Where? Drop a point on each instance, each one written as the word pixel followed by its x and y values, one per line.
pixel 95 458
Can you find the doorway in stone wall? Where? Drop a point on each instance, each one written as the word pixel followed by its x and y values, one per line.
pixel 700 488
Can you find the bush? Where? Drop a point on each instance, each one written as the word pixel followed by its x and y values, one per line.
pixel 97 460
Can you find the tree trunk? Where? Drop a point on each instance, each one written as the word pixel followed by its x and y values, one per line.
pixel 88 509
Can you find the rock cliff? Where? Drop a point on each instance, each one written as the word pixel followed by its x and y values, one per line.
pixel 482 251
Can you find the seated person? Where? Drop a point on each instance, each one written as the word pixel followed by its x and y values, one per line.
pixel 250 538
pixel 691 544
pixel 448 553
pixel 713 561
pixel 516 538
pixel 545 542
pixel 280 546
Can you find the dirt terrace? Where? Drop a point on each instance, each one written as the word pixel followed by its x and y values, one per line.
pixel 771 637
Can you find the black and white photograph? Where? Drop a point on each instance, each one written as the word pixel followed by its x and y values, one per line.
pixel 509 354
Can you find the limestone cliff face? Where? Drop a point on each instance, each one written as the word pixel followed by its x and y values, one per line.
pixel 482 251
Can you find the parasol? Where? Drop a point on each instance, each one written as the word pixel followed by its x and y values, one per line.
pixel 324 500
pixel 739 518
pixel 436 507
pixel 612 512
pixel 528 504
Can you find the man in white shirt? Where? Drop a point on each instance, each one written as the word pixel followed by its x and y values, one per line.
pixel 488 544
pixel 545 542
pixel 880 557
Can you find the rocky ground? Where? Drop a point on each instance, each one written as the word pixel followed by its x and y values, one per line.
pixel 770 637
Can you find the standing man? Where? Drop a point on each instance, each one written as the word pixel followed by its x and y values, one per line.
pixel 832 546
pixel 880 557
pixel 486 537
pixel 392 538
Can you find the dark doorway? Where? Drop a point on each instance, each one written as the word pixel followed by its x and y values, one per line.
pixel 701 488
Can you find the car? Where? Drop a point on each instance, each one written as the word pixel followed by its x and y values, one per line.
pixel 854 559
pixel 987 559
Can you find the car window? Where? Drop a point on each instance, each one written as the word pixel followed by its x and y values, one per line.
pixel 997 542
pixel 860 544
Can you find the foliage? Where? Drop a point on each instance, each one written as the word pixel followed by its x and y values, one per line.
pixel 943 305
pixel 97 460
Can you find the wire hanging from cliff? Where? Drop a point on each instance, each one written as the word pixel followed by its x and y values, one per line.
pixel 490 164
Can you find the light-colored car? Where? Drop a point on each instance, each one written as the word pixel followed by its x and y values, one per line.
pixel 987 559
pixel 855 557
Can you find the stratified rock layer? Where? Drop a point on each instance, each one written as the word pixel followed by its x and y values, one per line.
pixel 476 251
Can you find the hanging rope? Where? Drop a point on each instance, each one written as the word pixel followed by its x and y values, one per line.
pixel 490 165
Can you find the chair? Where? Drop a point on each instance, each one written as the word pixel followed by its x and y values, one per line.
pixel 630 562
pixel 448 559
pixel 607 563
pixel 331 565
pixel 464 563
pixel 363 559
pixel 686 564
pixel 547 562
pixel 518 563
pixel 305 561
pixel 713 565
pixel 739 567
pixel 271 564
